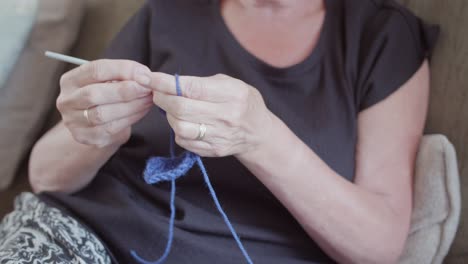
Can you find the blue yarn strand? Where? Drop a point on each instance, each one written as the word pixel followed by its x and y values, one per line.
pixel 171 219
pixel 170 233
pixel 177 85
pixel 221 211
pixel 162 169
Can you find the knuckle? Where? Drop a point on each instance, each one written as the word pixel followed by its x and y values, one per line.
pixel 63 102
pixel 81 139
pixel 232 121
pixel 67 123
pixel 180 108
pixel 96 70
pixel 64 79
pixel 232 118
pixel 193 88
pixel 97 116
pixel 110 128
pixel 236 117
pixel 179 128
pixel 59 103
pixel 256 94
pixel 179 141
pixel 130 66
pixel 127 91
pixel 221 76
pixel 243 92
pixel 218 151
pixel 102 143
pixel 127 68
pixel 87 96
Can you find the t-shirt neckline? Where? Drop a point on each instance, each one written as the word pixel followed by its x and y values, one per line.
pixel 228 38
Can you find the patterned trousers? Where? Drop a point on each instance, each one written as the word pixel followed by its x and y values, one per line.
pixel 37 233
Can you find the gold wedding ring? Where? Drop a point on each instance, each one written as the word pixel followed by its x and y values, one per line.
pixel 201 132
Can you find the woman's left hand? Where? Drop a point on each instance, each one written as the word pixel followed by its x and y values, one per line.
pixel 234 113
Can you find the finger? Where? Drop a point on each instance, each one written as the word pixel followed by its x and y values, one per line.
pixel 198 88
pixel 92 136
pixel 106 93
pixel 187 130
pixel 88 136
pixel 102 71
pixel 103 134
pixel 186 109
pixel 102 114
pixel 199 147
pixel 116 126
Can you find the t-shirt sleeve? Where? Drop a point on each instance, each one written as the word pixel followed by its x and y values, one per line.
pixel 394 45
pixel 132 42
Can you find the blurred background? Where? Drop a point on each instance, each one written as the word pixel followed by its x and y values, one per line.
pixel 83 28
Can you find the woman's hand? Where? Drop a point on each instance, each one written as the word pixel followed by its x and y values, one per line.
pixel 233 112
pixel 99 101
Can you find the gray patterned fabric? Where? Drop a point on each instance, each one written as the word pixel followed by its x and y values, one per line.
pixel 37 233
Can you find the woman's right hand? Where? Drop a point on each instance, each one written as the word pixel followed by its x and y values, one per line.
pixel 113 101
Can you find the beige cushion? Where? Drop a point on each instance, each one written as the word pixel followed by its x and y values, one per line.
pixel 448 112
pixel 436 202
pixel 31 89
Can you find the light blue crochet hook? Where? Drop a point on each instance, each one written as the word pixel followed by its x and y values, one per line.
pixel 65 58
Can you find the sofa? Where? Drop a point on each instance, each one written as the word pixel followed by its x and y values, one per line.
pixel 448 116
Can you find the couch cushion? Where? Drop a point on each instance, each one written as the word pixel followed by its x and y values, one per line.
pixel 16 21
pixel 436 212
pixel 31 89
pixel 448 111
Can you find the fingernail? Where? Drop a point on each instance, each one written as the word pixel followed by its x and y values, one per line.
pixel 141 76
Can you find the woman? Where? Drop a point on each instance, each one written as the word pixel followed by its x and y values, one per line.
pixel 312 129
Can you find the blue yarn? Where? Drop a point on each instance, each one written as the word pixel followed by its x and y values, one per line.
pixel 160 169
pixel 221 211
pixel 170 235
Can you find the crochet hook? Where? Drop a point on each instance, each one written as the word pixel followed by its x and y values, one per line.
pixel 65 58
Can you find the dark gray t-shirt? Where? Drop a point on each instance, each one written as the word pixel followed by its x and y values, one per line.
pixel 367 49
